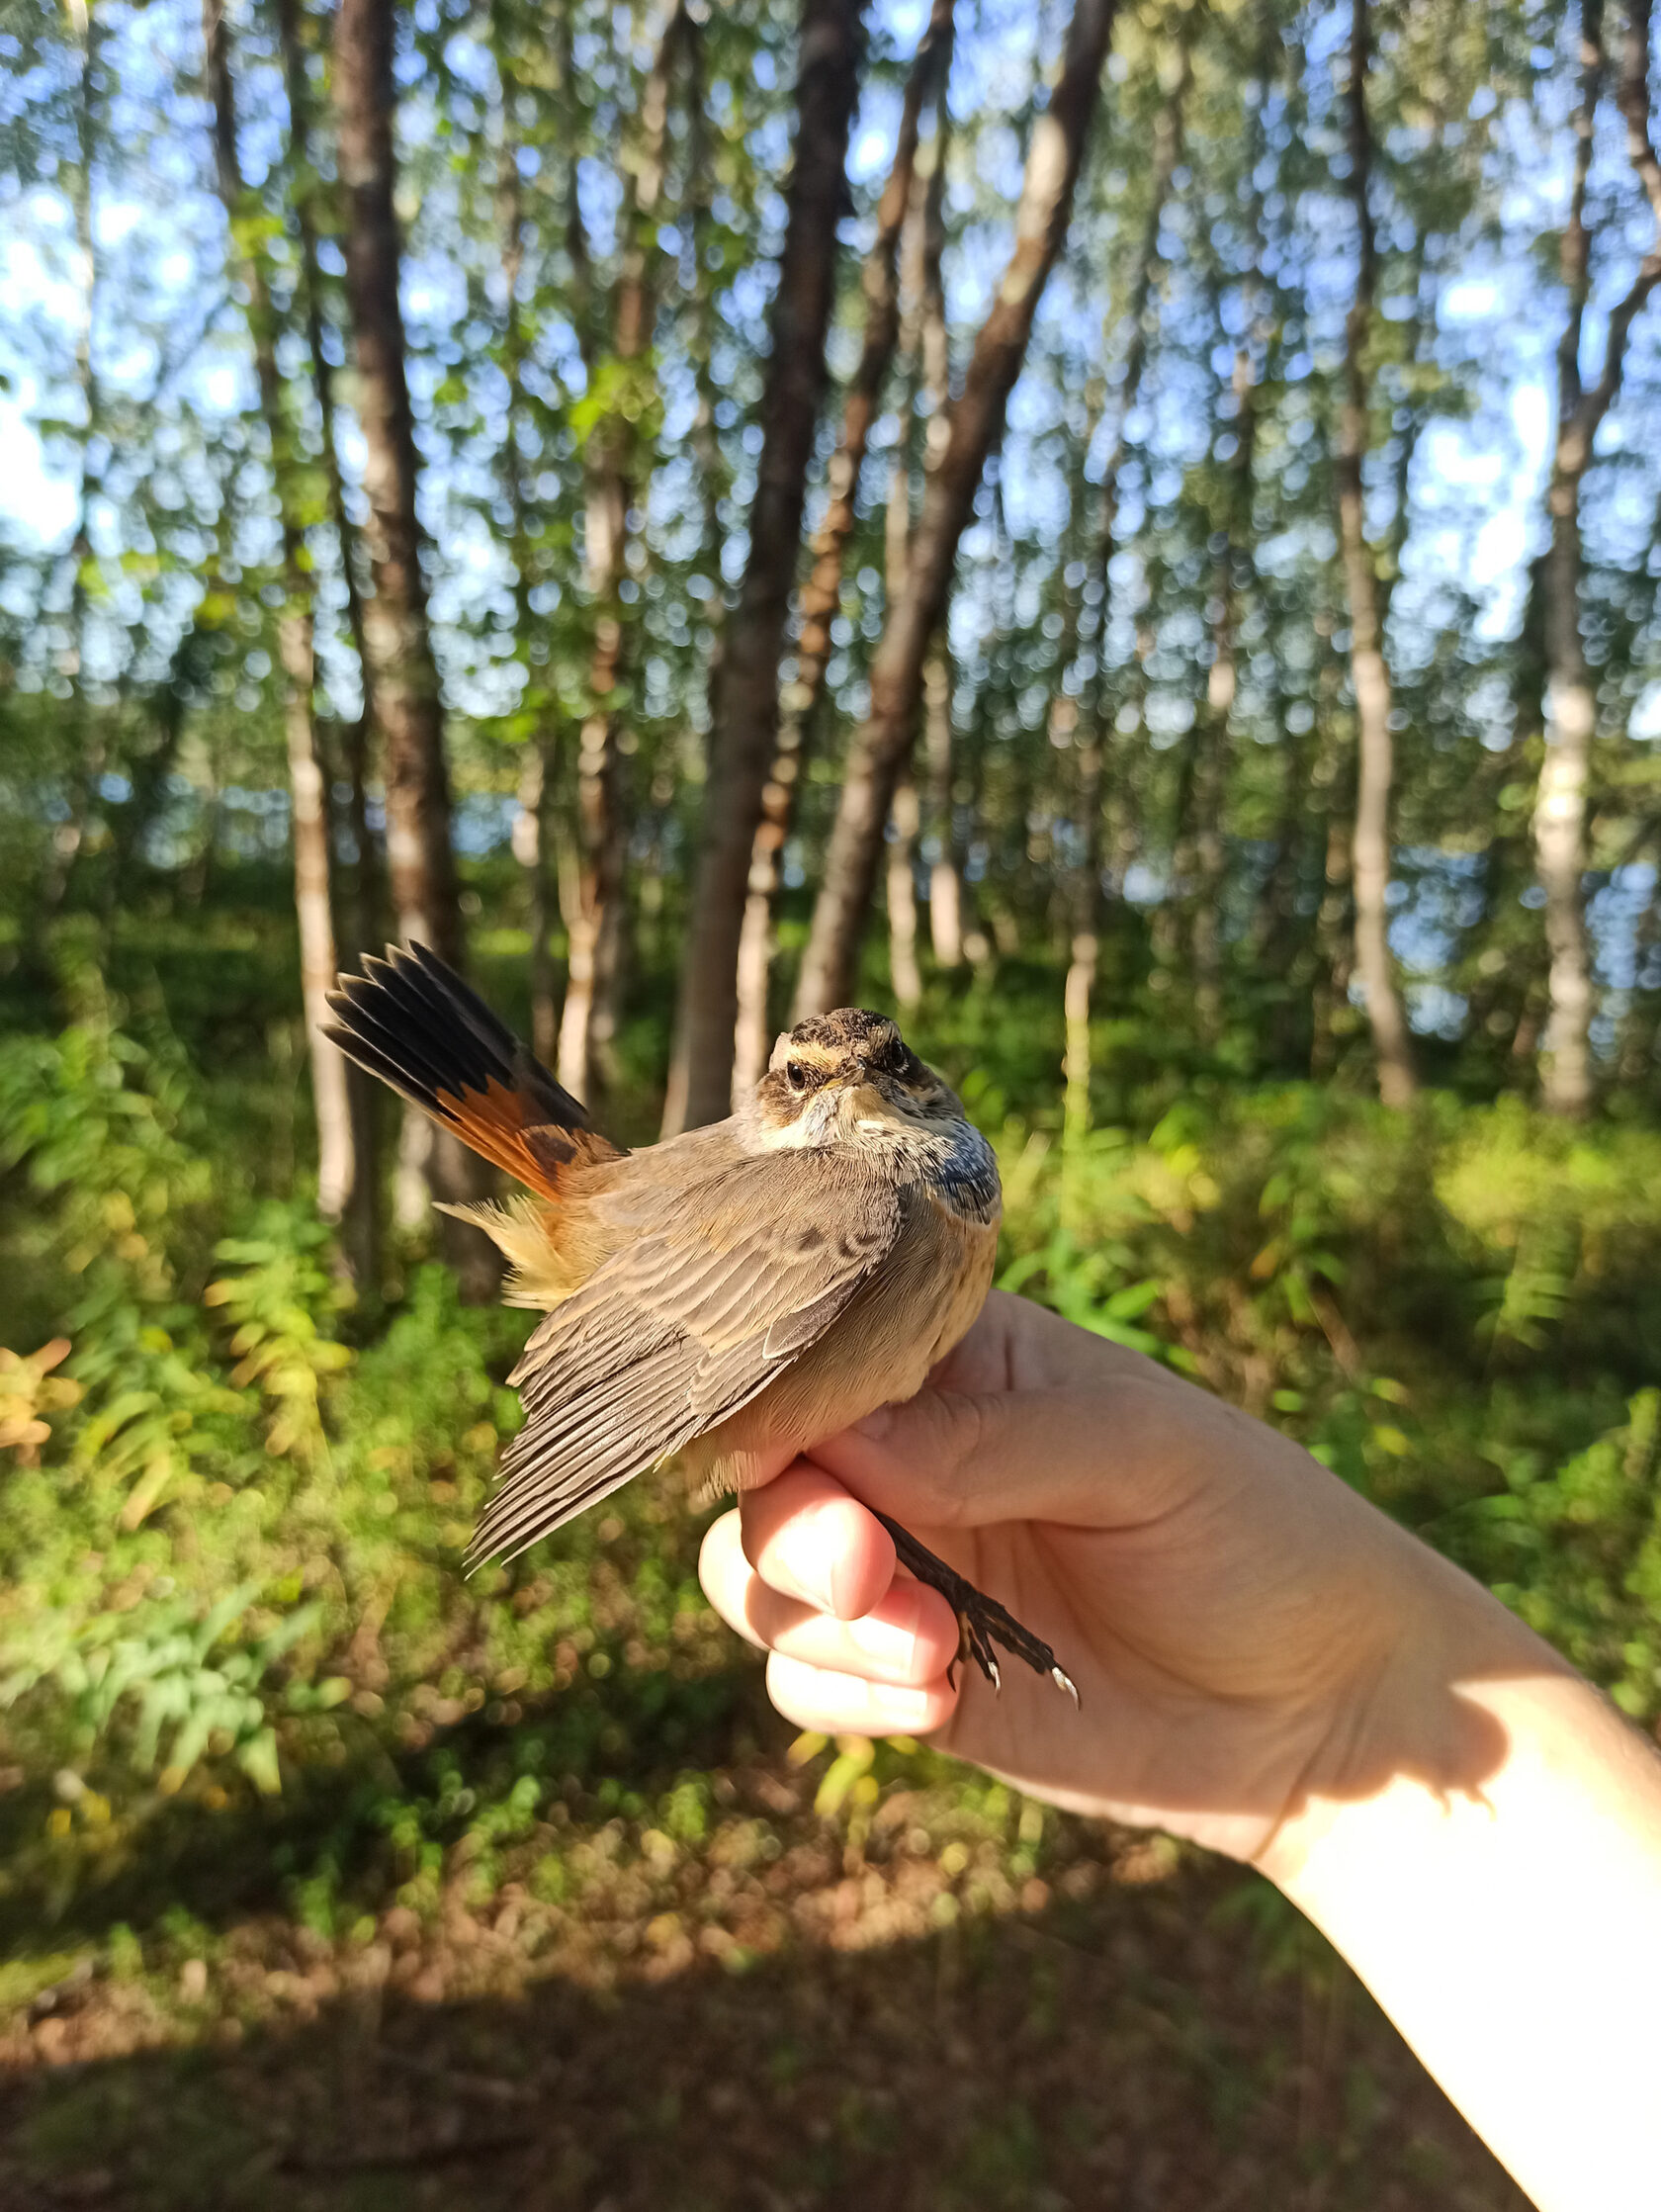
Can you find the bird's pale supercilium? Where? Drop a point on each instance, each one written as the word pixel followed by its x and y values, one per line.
pixel 763 1283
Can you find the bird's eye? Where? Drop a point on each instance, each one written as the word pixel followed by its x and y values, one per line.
pixel 797 1076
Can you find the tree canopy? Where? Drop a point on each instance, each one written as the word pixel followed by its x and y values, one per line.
pixel 1300 603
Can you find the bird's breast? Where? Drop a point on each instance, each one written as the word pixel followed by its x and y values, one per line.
pixel 879 1351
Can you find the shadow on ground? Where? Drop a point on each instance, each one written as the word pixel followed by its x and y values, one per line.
pixel 1159 2048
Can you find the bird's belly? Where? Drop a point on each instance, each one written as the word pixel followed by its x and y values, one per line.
pixel 879 1352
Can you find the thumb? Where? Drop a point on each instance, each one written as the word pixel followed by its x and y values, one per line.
pixel 949 1459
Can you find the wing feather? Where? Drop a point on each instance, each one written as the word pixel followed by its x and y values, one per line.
pixel 685 1326
pixel 560 1466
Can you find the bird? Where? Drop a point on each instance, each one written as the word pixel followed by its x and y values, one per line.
pixel 772 1277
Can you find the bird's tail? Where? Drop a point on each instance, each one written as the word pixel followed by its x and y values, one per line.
pixel 412 1021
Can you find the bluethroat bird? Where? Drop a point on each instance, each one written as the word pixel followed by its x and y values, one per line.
pixel 766 1280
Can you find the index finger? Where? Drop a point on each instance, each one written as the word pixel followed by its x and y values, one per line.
pixel 1110 1454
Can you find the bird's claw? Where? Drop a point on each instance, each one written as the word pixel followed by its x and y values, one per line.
pixel 980 1619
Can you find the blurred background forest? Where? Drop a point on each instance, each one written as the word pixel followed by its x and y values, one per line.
pixel 1131 536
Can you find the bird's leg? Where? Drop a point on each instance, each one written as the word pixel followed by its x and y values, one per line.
pixel 980 1619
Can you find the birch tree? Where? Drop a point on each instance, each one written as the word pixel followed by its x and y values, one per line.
pixel 1560 805
pixel 1369 674
pixel 308 798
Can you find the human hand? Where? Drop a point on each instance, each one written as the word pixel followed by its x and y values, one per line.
pixel 1245 1631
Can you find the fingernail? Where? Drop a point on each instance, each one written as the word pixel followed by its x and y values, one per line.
pixel 876 1425
pixel 886 1641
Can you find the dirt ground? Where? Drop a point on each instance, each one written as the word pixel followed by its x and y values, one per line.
pixel 887 2021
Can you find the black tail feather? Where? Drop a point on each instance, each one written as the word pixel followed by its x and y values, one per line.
pixel 414 1024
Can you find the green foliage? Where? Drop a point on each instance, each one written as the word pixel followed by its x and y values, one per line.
pixel 1449 1311
pixel 215 1428
pixel 175 1681
pixel 209 1429
pixel 102 1128
pixel 280 1305
pixel 106 1131
pixel 1077 1283
pixel 1578 1552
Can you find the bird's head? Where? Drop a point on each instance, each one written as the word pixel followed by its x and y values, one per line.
pixel 850 1077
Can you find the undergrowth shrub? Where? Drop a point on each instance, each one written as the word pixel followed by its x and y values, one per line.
pixel 1458 1310
pixel 236 1506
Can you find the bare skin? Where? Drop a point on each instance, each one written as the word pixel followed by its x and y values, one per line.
pixel 1265 1665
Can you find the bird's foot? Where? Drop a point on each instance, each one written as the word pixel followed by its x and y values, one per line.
pixel 981 1620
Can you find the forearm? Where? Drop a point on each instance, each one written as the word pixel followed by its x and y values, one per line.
pixel 1512 1926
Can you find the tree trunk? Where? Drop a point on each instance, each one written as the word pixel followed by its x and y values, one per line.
pixel 945 879
pixel 85 750
pixel 592 924
pixel 1084 947
pixel 1369 674
pixel 530 850
pixel 589 1017
pixel 1210 853
pixel 979 740
pixel 745 713
pixel 1560 828
pixel 822 594
pixel 318 966
pixel 1234 574
pixel 88 747
pixel 366 928
pixel 1076 733
pixel 1334 932
pixel 1090 734
pixel 901 836
pixel 397 647
pixel 904 972
pixel 1278 933
pixel 1560 806
pixel 336 1161
pixel 538 774
pixel 1640 1031
pixel 596 920
pixel 880 749
pixel 945 891
pixel 359 922
pixel 753 1042
pixel 1208 857
pixel 1560 822
pixel 396 642
pixel 714 476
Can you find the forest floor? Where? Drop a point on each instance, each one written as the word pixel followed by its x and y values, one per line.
pixel 831 2014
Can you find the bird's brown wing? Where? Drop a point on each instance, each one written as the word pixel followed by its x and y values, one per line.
pixel 748 1263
